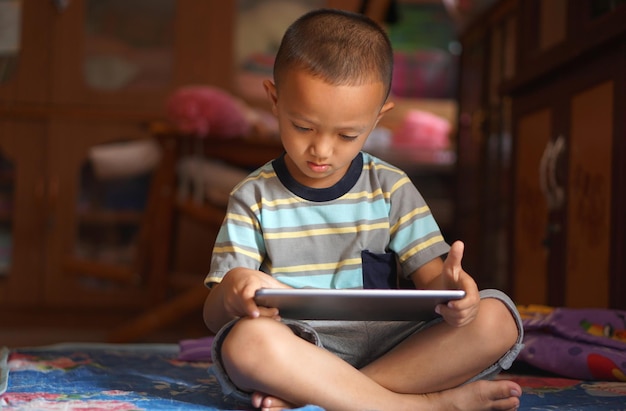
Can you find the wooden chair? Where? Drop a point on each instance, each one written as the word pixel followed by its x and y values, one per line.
pixel 159 229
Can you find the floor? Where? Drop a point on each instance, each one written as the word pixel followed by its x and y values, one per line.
pixel 27 337
pixel 16 336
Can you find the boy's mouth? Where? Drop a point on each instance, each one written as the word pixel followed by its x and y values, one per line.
pixel 318 168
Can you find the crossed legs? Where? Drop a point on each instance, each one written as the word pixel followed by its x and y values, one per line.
pixel 425 372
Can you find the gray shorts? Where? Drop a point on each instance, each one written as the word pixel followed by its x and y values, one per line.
pixel 361 342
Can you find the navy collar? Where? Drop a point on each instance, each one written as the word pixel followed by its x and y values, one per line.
pixel 319 194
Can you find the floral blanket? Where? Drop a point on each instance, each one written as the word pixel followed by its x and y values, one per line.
pixel 111 377
pixel 85 377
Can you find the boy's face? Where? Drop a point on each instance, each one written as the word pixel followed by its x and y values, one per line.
pixel 322 126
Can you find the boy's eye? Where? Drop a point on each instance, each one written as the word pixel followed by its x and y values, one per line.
pixel 300 128
pixel 345 137
pixel 348 138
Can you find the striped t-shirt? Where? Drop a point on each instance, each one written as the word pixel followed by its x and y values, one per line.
pixel 349 235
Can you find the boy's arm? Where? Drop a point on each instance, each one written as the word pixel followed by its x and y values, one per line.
pixel 214 314
pixel 428 276
pixel 437 274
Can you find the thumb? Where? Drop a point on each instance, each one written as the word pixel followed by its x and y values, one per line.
pixel 250 307
pixel 452 266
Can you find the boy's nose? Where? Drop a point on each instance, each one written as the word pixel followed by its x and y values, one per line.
pixel 321 147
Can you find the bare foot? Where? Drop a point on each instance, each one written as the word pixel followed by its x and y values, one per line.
pixel 500 395
pixel 268 403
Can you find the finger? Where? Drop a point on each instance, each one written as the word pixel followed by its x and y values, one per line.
pixel 471 299
pixel 252 310
pixel 269 312
pixel 456 318
pixel 250 307
pixel 452 265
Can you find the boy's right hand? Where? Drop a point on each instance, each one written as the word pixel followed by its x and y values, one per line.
pixel 239 287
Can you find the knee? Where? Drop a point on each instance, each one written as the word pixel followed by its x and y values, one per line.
pixel 250 343
pixel 496 319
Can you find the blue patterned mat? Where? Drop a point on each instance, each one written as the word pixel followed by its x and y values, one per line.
pixel 111 377
pixel 151 377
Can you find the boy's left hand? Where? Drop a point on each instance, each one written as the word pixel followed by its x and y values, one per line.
pixel 458 312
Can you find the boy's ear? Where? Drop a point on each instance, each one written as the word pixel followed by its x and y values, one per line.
pixel 272 96
pixel 389 105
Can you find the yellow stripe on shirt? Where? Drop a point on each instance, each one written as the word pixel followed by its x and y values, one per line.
pixel 315 267
pixel 326 231
pixel 239 250
pixel 408 216
pixel 419 247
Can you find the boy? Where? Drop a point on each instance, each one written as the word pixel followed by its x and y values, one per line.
pixel 327 215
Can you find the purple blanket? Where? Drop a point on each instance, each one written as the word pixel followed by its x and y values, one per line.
pixel 588 344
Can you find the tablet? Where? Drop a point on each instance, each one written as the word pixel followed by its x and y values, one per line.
pixel 355 305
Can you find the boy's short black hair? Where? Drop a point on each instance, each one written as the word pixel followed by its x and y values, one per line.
pixel 340 47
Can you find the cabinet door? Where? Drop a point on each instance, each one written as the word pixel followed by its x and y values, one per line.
pixel 133 53
pixel 25 28
pixel 100 179
pixel 590 187
pixel 564 143
pixel 556 32
pixel 530 250
pixel 22 218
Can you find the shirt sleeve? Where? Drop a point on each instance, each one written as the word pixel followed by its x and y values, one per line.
pixel 239 242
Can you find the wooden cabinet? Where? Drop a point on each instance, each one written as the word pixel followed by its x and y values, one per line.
pixel 132 54
pixel 114 53
pixel 22 212
pixel 44 211
pixel 564 195
pixel 25 52
pixel 560 115
pixel 568 234
pixel 76 77
pixel 93 229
